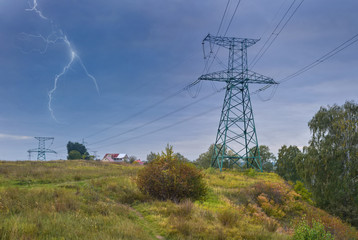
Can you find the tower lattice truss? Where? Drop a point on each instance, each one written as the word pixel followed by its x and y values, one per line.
pixel 236 140
pixel 41 150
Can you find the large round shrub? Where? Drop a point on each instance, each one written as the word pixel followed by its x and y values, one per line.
pixel 167 177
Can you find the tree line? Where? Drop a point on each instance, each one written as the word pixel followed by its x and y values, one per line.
pixel 77 151
pixel 328 166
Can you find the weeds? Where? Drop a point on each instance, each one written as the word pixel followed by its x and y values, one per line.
pixel 228 217
pixel 185 208
pixel 91 200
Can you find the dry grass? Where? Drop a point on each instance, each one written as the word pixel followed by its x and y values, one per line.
pixel 69 200
pixel 92 200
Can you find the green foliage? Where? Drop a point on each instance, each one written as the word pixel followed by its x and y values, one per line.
pixel 54 205
pixel 75 146
pixel 97 200
pixel 204 159
pixel 151 156
pixel 317 232
pixel 267 157
pixel 180 157
pixel 289 160
pixel 305 194
pixel 330 166
pixel 131 159
pixel 168 178
pixel 251 172
pixel 74 155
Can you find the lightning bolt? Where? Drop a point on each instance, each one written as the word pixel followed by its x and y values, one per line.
pixel 52 91
pixel 34 8
pixel 55 37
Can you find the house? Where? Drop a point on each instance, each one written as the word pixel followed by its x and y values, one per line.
pixel 138 162
pixel 115 157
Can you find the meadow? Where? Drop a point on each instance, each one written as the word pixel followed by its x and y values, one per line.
pixel 94 200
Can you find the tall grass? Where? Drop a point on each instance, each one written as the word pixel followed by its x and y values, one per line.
pixel 69 200
pixel 28 173
pixel 93 200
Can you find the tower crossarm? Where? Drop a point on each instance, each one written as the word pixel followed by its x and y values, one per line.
pixel 253 77
pixel 45 150
pixel 229 42
pixel 33 150
pixel 50 151
pixel 44 138
pixel 237 77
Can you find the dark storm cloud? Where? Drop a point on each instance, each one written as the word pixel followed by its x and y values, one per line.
pixel 143 50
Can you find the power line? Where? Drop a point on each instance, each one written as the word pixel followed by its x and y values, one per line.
pixel 163 128
pixel 208 67
pixel 232 17
pixel 155 120
pixel 271 40
pixel 146 109
pixel 273 92
pixel 313 64
pixel 274 18
pixel 222 19
pixel 186 88
pixel 322 59
pixel 273 33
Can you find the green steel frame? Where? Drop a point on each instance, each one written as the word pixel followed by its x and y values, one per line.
pixel 41 150
pixel 236 140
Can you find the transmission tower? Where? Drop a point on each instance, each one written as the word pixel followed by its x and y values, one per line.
pixel 41 150
pixel 236 139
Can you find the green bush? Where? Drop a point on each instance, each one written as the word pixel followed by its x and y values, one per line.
pixel 251 172
pixel 305 194
pixel 317 232
pixel 74 154
pixel 167 178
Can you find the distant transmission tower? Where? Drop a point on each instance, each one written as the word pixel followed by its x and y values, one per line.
pixel 236 139
pixel 41 150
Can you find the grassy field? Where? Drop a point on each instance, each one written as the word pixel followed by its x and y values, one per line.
pixel 93 200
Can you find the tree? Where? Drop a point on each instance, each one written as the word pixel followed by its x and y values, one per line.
pixel 151 156
pixel 132 158
pixel 267 158
pixel 330 166
pixel 204 159
pixel 74 154
pixel 79 148
pixel 180 157
pixel 289 162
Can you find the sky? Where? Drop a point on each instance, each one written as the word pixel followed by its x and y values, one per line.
pixel 110 73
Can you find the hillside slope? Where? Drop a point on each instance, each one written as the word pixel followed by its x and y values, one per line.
pixel 93 200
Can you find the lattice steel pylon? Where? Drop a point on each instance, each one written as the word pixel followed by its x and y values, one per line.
pixel 236 139
pixel 41 150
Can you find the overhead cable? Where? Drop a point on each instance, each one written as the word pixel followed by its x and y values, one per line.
pixel 154 120
pixel 275 34
pixel 320 60
pixel 163 128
